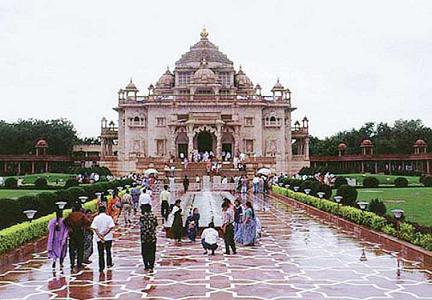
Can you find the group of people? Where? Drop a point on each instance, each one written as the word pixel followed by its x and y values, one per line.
pixel 76 233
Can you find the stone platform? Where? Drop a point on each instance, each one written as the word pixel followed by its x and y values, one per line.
pixel 297 257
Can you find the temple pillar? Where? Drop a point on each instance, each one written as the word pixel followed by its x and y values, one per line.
pixel 5 165
pixel 219 141
pixel 33 167
pixel 190 134
pixel 306 148
pixel 236 136
pixel 428 171
pixel 362 167
pixel 19 168
pixel 103 147
pixel 172 142
pixel 46 167
pixel 376 168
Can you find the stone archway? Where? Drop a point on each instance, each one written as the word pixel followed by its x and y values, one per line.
pixel 182 142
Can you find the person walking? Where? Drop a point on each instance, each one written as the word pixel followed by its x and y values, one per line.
pixel 76 223
pixel 238 216
pixel 126 204
pixel 144 198
pixel 198 182
pixel 177 224
pixel 209 238
pixel 88 239
pixel 186 183
pixel 164 203
pixel 228 229
pixel 148 224
pixel 57 239
pixel 247 234
pixel 192 224
pixel 255 184
pixel 103 225
pixel 135 193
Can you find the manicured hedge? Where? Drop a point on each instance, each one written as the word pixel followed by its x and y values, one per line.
pixel 370 182
pixel 401 182
pixel 11 211
pixel 368 219
pixel 17 235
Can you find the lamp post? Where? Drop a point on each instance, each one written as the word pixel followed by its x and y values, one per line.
pixel 363 255
pixel 321 195
pixel 98 195
pixel 287 186
pixel 119 188
pixel 61 204
pixel 30 213
pixel 127 186
pixel 83 199
pixel 398 214
pixel 111 191
pixel 307 191
pixel 296 188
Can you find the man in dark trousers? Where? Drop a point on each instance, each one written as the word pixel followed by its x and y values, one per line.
pixel 228 228
pixel 76 222
pixel 186 183
pixel 103 225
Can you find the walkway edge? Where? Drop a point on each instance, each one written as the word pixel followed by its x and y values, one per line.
pixel 389 243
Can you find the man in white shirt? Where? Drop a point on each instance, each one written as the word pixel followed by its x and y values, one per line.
pixel 164 198
pixel 103 225
pixel 209 238
pixel 144 198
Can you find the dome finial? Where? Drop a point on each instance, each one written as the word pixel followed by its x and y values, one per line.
pixel 203 62
pixel 204 33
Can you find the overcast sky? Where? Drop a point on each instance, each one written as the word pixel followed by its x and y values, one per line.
pixel 346 62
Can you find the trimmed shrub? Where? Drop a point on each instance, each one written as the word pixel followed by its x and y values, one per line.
pixel 370 182
pixel 427 181
pixel 11 183
pixel 311 184
pixel 326 189
pixel 339 181
pixel 10 213
pixel 348 193
pixel 46 203
pixel 17 235
pixel 71 182
pixel 378 207
pixel 75 192
pixel 41 182
pixel 401 182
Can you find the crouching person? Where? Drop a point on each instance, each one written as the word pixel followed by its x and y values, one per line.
pixel 209 238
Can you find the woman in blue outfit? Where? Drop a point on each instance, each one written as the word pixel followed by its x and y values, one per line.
pixel 238 216
pixel 247 234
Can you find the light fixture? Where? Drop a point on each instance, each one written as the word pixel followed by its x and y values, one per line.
pixel 61 204
pixel 30 213
pixel 110 191
pixel 83 199
pixel 321 195
pixel 362 205
pixel 398 213
pixel 338 199
pixel 307 191
pixel 296 188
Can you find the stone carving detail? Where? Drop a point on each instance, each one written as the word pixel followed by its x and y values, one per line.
pixel 272 146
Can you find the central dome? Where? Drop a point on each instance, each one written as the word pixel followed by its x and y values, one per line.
pixel 204 49
pixel 204 74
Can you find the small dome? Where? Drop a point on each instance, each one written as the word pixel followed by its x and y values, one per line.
pixel 420 142
pixel 203 74
pixel 366 143
pixel 278 86
pixel 242 81
pixel 166 80
pixel 342 146
pixel 41 143
pixel 131 86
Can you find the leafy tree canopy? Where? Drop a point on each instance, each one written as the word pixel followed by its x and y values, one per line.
pixel 387 139
pixel 20 137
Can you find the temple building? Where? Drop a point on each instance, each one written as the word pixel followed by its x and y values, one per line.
pixel 204 104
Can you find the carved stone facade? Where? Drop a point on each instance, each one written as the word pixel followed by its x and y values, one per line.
pixel 205 104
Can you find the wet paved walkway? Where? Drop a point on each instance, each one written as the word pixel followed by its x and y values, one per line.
pixel 296 258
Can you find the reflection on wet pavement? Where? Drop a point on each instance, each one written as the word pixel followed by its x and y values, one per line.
pixel 297 257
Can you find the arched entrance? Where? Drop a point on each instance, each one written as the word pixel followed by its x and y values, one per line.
pixel 204 140
pixel 182 144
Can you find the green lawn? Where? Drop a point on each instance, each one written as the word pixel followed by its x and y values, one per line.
pixel 13 194
pixel 51 177
pixel 383 179
pixel 416 202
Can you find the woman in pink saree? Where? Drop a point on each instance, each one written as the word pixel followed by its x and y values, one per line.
pixel 57 239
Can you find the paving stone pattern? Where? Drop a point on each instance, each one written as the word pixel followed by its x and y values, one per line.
pixel 297 258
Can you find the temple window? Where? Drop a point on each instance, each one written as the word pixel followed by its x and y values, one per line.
pixel 204 92
pixel 160 147
pixel 272 121
pixel 225 78
pixel 184 78
pixel 249 146
pixel 226 118
pixel 160 121
pixel 249 121
pixel 224 92
pixel 137 121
